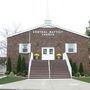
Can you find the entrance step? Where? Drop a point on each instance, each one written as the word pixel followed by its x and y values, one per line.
pixel 59 69
pixel 40 69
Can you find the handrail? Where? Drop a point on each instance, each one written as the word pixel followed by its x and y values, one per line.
pixel 30 63
pixel 49 68
pixel 65 57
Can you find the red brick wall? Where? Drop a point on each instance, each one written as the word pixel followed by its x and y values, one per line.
pixel 58 41
pixel 13 46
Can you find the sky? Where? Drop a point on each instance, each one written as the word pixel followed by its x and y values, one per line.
pixel 69 14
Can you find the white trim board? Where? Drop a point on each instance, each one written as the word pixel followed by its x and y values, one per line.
pixel 52 26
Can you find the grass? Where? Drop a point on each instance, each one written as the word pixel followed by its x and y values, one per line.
pixel 85 79
pixel 9 79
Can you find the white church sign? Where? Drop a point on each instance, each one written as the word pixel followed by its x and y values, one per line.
pixel 47 33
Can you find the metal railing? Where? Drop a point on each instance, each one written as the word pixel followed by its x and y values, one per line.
pixel 65 57
pixel 49 68
pixel 30 63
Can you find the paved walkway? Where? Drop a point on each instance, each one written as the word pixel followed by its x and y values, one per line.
pixel 2 76
pixel 47 84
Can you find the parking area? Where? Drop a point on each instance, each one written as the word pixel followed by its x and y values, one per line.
pixel 47 84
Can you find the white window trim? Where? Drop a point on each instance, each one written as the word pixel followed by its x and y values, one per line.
pixel 66 47
pixel 21 47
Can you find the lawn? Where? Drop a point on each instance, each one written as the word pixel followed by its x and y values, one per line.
pixel 9 79
pixel 85 79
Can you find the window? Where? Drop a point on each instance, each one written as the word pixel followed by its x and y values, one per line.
pixel 24 48
pixel 51 51
pixel 71 48
pixel 44 51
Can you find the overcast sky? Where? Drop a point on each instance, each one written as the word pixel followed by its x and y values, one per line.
pixel 70 14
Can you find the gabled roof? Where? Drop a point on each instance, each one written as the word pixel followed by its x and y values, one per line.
pixel 68 30
pixel 51 26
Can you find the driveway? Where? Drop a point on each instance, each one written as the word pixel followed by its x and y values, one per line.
pixel 47 84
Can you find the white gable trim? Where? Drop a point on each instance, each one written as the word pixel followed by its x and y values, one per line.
pixel 68 30
pixel 52 26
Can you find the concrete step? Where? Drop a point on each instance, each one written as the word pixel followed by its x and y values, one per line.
pixel 58 69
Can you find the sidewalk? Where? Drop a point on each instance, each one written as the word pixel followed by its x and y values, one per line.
pixel 47 84
pixel 2 76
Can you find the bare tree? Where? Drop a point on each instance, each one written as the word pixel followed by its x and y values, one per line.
pixel 4 33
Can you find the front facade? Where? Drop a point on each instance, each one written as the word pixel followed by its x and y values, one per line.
pixel 48 43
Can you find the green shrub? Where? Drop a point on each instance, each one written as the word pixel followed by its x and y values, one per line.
pixel 19 64
pixel 14 71
pixel 86 75
pixel 23 65
pixel 8 65
pixel 75 69
pixel 82 74
pixel 73 73
pixel 87 32
pixel 71 62
pixel 24 73
pixel 77 74
pixel 81 69
pixel 7 72
pixel 19 73
pixel 11 74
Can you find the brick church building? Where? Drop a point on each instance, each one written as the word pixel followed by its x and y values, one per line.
pixel 47 50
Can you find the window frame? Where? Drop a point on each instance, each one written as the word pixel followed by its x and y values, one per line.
pixel 21 48
pixel 74 47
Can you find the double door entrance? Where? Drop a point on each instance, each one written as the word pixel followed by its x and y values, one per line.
pixel 48 53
